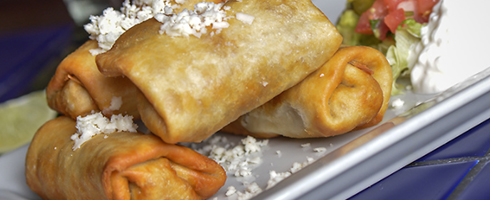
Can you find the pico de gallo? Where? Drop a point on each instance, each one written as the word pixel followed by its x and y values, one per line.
pixel 391 26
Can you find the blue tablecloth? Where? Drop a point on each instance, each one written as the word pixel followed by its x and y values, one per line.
pixel 26 55
pixel 458 170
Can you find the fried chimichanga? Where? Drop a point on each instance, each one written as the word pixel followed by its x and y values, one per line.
pixel 123 165
pixel 352 90
pixel 194 86
pixel 78 88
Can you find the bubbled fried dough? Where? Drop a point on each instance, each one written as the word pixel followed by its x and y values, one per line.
pixel 197 85
pixel 116 166
pixel 350 91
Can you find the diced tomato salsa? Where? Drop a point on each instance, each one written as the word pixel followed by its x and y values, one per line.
pixel 393 19
pixel 389 14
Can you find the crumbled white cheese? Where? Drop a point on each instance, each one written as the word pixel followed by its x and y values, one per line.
pixel 96 123
pixel 243 172
pixel 238 160
pixel 230 191
pixel 245 18
pixel 254 188
pixel 277 177
pixel 251 191
pixel 107 27
pixel 251 144
pixel 305 145
pixel 116 103
pixel 296 167
pixel 397 103
pixel 322 75
pixel 193 22
pixel 320 149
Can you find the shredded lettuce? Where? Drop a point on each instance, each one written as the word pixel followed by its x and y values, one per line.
pixel 399 55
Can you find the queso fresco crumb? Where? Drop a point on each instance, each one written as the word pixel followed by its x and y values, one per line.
pixel 96 124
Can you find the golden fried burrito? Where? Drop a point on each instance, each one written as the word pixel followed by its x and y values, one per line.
pixel 123 165
pixel 78 88
pixel 195 79
pixel 350 91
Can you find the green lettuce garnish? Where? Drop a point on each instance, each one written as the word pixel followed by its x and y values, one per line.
pixel 407 35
